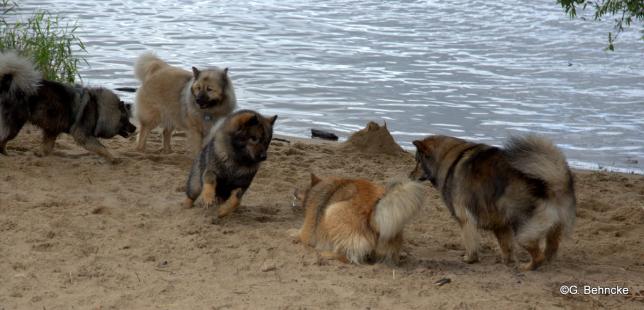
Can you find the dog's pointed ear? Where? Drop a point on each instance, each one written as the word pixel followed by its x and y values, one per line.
pixel 420 146
pixel 226 71
pixel 272 120
pixel 195 72
pixel 252 121
pixel 314 179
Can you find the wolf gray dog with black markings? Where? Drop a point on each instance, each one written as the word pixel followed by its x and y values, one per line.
pixel 523 192
pixel 86 113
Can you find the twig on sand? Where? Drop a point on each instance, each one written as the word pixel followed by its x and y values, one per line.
pixel 282 140
pixel 443 281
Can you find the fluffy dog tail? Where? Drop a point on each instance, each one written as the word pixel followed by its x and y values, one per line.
pixel 399 205
pixel 18 75
pixel 147 64
pixel 539 158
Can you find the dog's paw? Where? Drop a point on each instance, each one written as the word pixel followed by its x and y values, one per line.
pixel 208 203
pixel 164 151
pixel 527 267
pixel 115 161
pixel 187 203
pixel 470 258
pixel 294 235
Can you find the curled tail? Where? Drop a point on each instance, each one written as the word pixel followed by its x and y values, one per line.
pixel 147 64
pixel 399 205
pixel 18 75
pixel 539 158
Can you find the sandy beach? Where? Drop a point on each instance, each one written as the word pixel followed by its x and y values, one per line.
pixel 78 233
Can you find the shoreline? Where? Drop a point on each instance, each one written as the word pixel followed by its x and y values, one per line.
pixel 574 164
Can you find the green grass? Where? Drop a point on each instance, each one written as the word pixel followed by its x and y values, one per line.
pixel 46 39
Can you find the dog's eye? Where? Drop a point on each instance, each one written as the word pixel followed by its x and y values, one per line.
pixel 198 87
pixel 208 88
pixel 253 140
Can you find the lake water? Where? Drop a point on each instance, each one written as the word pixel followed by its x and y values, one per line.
pixel 475 69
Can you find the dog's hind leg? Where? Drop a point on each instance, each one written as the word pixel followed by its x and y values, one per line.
pixel 536 255
pixel 333 255
pixel 470 235
pixel 10 125
pixel 143 136
pixel 389 251
pixel 553 238
pixel 543 224
pixel 505 239
pixel 167 135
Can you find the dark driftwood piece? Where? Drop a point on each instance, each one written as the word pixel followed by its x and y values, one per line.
pixel 126 89
pixel 316 133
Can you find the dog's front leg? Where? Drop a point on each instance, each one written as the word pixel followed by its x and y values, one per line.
pixel 48 142
pixel 209 188
pixel 93 145
pixel 195 142
pixel 231 204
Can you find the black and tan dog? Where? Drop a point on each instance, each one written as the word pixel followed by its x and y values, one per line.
pixel 523 192
pixel 85 113
pixel 229 161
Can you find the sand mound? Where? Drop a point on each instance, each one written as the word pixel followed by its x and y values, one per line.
pixel 374 139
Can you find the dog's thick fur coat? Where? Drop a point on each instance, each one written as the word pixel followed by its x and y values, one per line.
pixel 85 113
pixel 173 98
pixel 226 166
pixel 521 192
pixel 355 220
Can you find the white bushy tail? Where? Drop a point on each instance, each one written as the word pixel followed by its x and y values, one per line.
pixel 19 74
pixel 399 205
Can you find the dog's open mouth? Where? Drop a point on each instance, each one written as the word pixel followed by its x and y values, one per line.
pixel 207 103
pixel 127 131
pixel 124 134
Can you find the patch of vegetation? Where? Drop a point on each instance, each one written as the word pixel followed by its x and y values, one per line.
pixel 46 39
pixel 625 11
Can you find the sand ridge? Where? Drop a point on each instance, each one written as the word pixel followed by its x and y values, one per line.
pixel 80 233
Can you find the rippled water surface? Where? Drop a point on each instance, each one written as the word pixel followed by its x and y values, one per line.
pixel 477 69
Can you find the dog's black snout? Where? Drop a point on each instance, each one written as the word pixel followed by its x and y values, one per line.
pixel 262 156
pixel 131 128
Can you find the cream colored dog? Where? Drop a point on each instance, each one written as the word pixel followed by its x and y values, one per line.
pixel 173 98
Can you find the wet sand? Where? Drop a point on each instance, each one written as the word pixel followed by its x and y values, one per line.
pixel 80 233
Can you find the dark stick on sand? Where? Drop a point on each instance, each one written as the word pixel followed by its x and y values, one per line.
pixel 316 133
